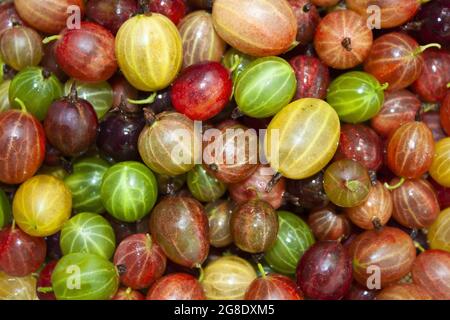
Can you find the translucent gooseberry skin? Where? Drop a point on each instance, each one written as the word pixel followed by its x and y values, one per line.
pixel 88 233
pixel 438 234
pixel 243 162
pixel 228 278
pixel 129 191
pixel 21 47
pixel 71 125
pixel 141 260
pixel 375 211
pixel 307 19
pixel 20 253
pixel 410 150
pixel 267 29
pixel 439 170
pixel 159 136
pixel 273 287
pixel 111 14
pixel 119 135
pixel 47 16
pixel 45 281
pixel 342 39
pixel 445 114
pixel 293 239
pixel 415 204
pixel 180 226
pixel 204 186
pixel 390 249
pixel 202 90
pixel 255 187
pixel 219 216
pixel 8 16
pixel 325 271
pixel 392 13
pixel 299 149
pixel 431 271
pixel 176 286
pixel 26 154
pixel 98 278
pixel 87 53
pixel 175 10
pixel 399 108
pixel 404 292
pixel 356 96
pixel 200 40
pixel 360 143
pixel 432 120
pixel 254 226
pixel 17 288
pixel 347 183
pixel 307 193
pixel 128 294
pixel 395 58
pixel 431 85
pixel 41 205
pixel 313 77
pixel 327 225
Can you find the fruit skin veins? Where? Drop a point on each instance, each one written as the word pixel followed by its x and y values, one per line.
pixel 162 47
pixel 356 96
pixel 265 86
pixel 41 205
pixel 439 233
pixel 200 40
pixel 255 27
pixel 308 135
pixel 176 286
pixel 342 39
pixel 440 167
pixel 48 16
pixel 25 149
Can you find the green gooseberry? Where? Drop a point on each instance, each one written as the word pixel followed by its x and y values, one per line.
pixel 265 87
pixel 99 94
pixel 236 61
pixel 4 96
pixel 88 233
pixel 204 186
pixel 356 96
pixel 129 191
pixel 84 276
pixel 5 210
pixel 85 183
pixel 37 88
pixel 293 239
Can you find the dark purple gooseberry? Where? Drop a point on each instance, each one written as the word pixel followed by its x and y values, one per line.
pixel 71 125
pixel 432 23
pixel 111 14
pixel 119 133
pixel 49 63
pixel 360 292
pixel 122 91
pixel 325 271
pixel 307 193
pixel 53 247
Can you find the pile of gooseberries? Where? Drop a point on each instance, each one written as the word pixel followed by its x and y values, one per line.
pixel 224 150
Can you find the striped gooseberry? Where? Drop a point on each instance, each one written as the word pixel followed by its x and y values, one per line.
pixel 439 233
pixel 176 286
pixel 326 224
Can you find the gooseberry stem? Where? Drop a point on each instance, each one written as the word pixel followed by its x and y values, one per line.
pixel 13 226
pixel 347 44
pixel 148 100
pixel 236 61
pixel 353 185
pixel 21 104
pixel 396 186
pixel 51 38
pixel 213 167
pixel 419 246
pixel 73 95
pixel 236 114
pixel 384 86
pixel 425 47
pixel 201 277
pixel 275 179
pixel 427 107
pixel 44 289
pixel 149 240
pixel 261 269
pixel 377 223
pixel 293 45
